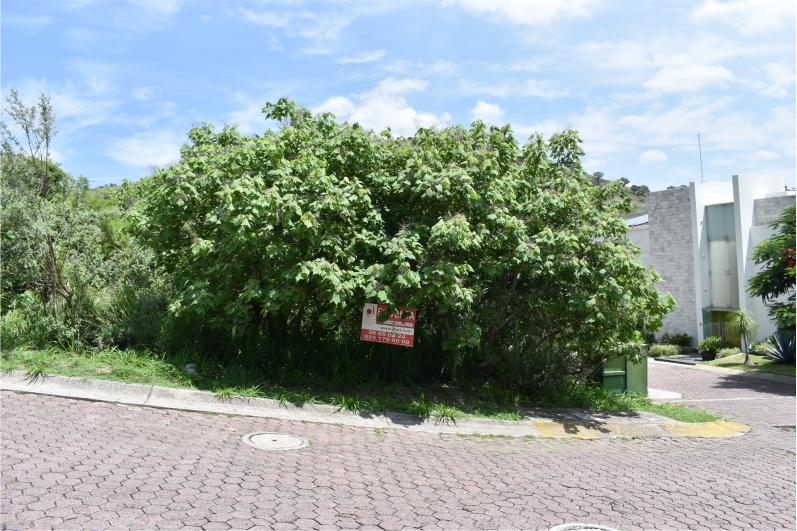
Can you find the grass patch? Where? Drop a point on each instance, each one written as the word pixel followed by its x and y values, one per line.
pixel 762 364
pixel 679 412
pixel 441 403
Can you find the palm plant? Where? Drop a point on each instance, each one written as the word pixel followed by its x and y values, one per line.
pixel 743 324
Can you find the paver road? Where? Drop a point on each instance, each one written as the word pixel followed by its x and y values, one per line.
pixel 72 464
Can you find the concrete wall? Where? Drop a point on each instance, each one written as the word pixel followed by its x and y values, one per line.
pixel 770 208
pixel 671 254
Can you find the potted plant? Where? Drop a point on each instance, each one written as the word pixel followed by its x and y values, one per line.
pixel 709 346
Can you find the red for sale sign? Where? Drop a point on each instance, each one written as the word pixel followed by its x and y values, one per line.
pixel 394 331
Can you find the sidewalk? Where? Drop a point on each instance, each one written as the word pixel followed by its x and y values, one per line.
pixel 570 423
pixel 724 370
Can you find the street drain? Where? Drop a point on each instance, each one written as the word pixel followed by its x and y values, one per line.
pixel 582 527
pixel 275 441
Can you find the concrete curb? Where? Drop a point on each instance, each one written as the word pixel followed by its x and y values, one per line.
pixel 735 372
pixel 592 427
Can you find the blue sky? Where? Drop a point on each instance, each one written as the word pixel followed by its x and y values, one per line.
pixel 638 79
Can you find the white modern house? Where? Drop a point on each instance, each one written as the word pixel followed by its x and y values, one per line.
pixel 700 239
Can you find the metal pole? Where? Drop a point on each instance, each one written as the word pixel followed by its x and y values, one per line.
pixel 700 149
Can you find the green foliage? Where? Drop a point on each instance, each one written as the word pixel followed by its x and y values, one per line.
pixel 777 277
pixel 742 323
pixel 710 344
pixel 66 255
pixel 520 269
pixel 682 340
pixel 727 352
pixel 781 347
pixel 760 349
pixel 656 351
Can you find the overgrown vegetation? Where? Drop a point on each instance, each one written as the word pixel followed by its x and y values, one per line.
pixel 255 254
pixel 775 281
pixel 438 401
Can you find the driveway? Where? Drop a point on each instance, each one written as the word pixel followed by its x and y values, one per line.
pixel 72 464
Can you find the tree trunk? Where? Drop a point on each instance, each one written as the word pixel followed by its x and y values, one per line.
pixel 747 360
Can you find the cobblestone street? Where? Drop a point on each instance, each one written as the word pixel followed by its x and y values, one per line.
pixel 71 464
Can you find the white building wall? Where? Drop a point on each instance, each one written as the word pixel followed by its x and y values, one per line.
pixel 702 195
pixel 746 189
pixel 640 236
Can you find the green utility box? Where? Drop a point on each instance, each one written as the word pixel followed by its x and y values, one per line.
pixel 621 376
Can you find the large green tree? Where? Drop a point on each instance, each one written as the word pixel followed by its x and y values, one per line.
pixel 509 253
pixel 775 281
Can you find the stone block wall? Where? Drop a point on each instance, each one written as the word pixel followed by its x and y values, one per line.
pixel 671 254
pixel 770 208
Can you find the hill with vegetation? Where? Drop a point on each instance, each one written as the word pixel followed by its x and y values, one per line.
pixel 637 194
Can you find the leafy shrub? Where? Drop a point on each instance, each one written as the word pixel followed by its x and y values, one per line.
pixel 760 349
pixel 726 352
pixel 513 259
pixel 781 347
pixel 710 344
pixel 656 351
pixel 682 340
pixel 685 350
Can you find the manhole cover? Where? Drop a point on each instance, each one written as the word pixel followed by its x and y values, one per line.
pixel 275 441
pixel 582 527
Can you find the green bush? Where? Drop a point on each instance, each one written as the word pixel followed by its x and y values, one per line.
pixel 682 340
pixel 726 352
pixel 760 349
pixel 656 351
pixel 520 268
pixel 710 344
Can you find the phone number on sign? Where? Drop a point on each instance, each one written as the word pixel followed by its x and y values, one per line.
pixel 386 337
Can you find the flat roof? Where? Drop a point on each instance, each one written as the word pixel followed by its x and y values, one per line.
pixel 640 220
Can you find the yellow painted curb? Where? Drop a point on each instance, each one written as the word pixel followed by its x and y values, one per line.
pixel 574 430
pixel 719 428
pixel 582 430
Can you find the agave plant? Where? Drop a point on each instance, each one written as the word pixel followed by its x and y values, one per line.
pixel 781 347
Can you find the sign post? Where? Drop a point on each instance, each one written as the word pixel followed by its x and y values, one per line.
pixel 394 331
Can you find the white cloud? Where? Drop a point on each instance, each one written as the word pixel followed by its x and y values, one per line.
pixel 320 26
pixel 611 133
pixel 767 155
pixel 526 12
pixel 142 93
pixel 419 68
pixel 530 87
pixel 141 150
pixel 98 76
pixel 162 8
pixel 28 25
pixel 489 113
pixel 56 156
pixel 365 57
pixel 751 17
pixel 652 155
pixel 689 78
pixel 781 77
pixel 75 105
pixel 384 106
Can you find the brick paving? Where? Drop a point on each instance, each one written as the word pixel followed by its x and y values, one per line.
pixel 71 464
